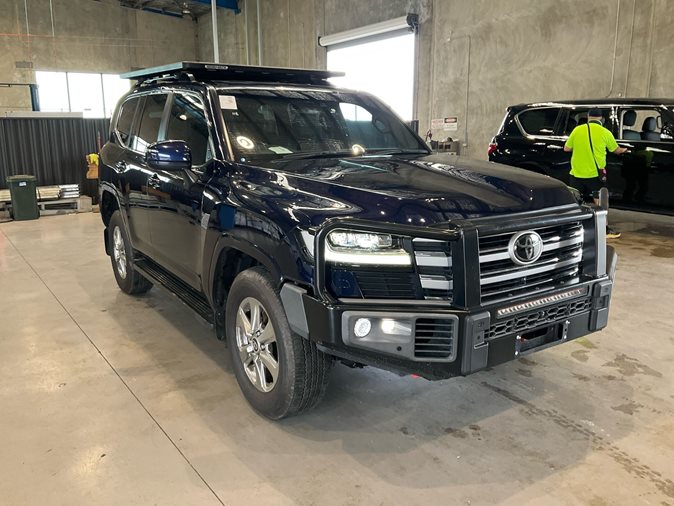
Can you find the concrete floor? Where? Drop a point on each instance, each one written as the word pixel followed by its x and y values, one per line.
pixel 110 399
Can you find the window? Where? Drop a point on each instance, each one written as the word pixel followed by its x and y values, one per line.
pixel 125 120
pixel 539 121
pixel 94 95
pixel 53 91
pixel 381 66
pixel 578 116
pixel 645 125
pixel 264 124
pixel 187 122
pixel 86 94
pixel 148 130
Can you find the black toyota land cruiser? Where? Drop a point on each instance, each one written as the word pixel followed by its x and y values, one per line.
pixel 309 224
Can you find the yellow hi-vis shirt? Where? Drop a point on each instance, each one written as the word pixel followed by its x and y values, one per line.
pixel 582 164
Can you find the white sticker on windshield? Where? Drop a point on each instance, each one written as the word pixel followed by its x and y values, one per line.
pixel 279 150
pixel 228 102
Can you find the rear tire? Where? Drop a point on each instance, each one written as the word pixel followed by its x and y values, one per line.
pixel 279 372
pixel 128 278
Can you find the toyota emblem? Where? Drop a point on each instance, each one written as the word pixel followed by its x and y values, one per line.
pixel 525 247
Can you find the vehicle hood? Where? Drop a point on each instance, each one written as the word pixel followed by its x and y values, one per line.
pixel 417 190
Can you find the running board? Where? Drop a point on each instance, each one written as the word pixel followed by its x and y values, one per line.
pixel 176 287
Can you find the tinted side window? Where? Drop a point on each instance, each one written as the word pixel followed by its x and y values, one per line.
pixel 539 121
pixel 148 130
pixel 187 122
pixel 125 120
pixel 578 116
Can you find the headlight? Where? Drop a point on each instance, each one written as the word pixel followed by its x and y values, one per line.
pixel 359 240
pixel 361 248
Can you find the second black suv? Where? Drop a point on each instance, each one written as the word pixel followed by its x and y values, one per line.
pixel 532 136
pixel 309 224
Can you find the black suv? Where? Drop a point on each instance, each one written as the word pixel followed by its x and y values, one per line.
pixel 308 223
pixel 532 136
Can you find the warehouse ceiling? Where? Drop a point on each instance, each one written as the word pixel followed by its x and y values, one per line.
pixel 179 8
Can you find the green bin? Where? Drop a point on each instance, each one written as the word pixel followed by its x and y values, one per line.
pixel 24 197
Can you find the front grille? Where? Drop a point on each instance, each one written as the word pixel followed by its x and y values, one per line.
pixel 540 318
pixel 386 285
pixel 559 265
pixel 434 338
pixel 434 266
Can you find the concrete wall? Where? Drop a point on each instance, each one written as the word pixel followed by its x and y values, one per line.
pixel 478 56
pixel 487 58
pixel 475 56
pixel 84 35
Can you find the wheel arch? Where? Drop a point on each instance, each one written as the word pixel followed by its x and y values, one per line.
pixel 109 203
pixel 232 256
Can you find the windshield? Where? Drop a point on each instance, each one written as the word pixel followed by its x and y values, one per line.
pixel 264 124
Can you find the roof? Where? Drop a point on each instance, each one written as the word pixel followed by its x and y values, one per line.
pixel 601 101
pixel 207 71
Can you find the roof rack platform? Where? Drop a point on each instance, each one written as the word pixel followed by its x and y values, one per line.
pixel 190 70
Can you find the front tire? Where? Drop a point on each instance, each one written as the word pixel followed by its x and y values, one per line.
pixel 128 278
pixel 280 373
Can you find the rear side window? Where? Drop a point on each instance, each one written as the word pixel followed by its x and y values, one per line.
pixel 150 120
pixel 187 122
pixel 539 121
pixel 641 124
pixel 125 120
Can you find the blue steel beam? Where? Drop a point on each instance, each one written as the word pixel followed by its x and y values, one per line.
pixel 224 4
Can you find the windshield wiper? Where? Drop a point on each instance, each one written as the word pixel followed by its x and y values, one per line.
pixel 396 151
pixel 314 154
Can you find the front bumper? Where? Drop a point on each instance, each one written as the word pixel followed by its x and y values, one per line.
pixel 472 340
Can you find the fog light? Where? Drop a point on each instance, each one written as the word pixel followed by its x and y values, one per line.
pixel 362 327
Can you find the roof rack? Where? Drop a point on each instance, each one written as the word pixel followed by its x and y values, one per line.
pixel 190 70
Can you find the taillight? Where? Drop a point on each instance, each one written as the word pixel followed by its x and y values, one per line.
pixel 492 148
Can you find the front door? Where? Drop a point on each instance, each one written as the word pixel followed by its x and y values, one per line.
pixel 176 196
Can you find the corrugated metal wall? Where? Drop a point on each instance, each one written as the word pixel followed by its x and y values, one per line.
pixel 53 149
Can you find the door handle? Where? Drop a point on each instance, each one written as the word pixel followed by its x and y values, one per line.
pixel 153 181
pixel 554 146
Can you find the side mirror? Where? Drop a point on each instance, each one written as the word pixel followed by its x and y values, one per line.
pixel 169 155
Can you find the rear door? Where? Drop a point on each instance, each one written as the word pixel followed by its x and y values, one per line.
pixel 176 197
pixel 145 132
pixel 128 166
pixel 647 173
pixel 539 148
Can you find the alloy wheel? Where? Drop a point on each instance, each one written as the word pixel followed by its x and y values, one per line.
pixel 256 343
pixel 119 252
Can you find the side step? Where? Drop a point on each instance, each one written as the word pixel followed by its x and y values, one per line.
pixel 186 294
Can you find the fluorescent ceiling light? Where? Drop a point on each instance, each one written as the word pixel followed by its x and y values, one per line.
pixel 392 25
